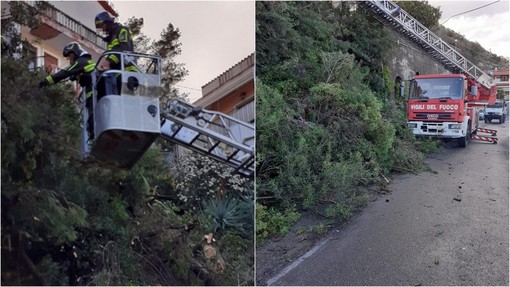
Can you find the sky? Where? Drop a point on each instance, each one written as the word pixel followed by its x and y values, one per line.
pixel 489 26
pixel 215 35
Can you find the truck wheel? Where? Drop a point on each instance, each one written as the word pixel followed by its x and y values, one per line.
pixel 462 142
pixel 486 120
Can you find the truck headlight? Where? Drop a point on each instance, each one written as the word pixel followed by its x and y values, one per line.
pixel 455 126
pixel 412 125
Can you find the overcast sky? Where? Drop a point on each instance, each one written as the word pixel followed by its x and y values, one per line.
pixel 214 35
pixel 489 26
pixel 217 35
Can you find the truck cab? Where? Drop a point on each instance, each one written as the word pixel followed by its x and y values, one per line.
pixel 498 111
pixel 438 107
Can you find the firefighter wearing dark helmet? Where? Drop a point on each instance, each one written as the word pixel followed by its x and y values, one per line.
pixel 118 38
pixel 79 69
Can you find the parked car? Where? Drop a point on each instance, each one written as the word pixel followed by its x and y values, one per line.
pixel 496 111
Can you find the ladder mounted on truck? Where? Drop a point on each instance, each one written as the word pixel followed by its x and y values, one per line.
pixel 127 120
pixel 210 133
pixel 400 21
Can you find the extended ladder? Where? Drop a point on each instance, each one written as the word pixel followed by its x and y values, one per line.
pixel 400 21
pixel 210 133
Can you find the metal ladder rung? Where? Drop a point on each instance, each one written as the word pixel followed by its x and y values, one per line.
pixel 213 147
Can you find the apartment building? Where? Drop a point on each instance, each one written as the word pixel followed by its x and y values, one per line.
pixel 501 79
pixel 232 92
pixel 62 22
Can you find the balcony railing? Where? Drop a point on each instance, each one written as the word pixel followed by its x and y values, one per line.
pixel 68 22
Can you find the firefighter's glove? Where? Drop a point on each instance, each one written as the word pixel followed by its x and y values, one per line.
pixel 43 84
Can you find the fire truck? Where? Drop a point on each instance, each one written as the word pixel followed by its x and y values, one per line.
pixel 441 106
pixel 128 118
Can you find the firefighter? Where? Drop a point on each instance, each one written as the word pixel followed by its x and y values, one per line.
pixel 118 38
pixel 79 69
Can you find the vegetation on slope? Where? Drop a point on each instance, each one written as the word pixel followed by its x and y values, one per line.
pixel 69 223
pixel 326 127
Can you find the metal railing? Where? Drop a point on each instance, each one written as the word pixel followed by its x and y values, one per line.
pixel 74 26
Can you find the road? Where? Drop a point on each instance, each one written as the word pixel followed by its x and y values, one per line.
pixel 445 227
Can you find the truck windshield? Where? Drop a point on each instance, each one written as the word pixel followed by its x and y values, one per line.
pixel 496 105
pixel 436 88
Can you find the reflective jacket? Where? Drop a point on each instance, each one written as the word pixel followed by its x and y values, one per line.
pixel 121 39
pixel 79 70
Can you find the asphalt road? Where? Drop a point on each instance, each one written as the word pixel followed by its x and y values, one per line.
pixel 445 227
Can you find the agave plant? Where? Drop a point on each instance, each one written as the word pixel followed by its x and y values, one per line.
pixel 231 212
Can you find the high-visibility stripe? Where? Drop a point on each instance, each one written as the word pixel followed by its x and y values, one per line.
pixel 114 58
pixel 74 65
pixel 114 43
pixel 132 69
pixel 50 80
pixel 90 67
pixel 123 37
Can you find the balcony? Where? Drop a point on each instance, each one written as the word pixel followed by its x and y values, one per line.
pixel 54 22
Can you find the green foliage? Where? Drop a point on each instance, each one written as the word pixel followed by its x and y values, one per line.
pixel 231 212
pixel 85 224
pixel 272 222
pixel 169 47
pixel 52 271
pixel 238 254
pixel 500 95
pixel 199 178
pixel 422 11
pixel 325 125
pixel 428 145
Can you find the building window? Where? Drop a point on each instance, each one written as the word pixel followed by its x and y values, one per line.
pixel 504 78
pixel 30 52
pixel 50 63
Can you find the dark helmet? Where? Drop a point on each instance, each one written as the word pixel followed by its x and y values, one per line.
pixel 73 47
pixel 102 18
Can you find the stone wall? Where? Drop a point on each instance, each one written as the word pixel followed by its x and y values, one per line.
pixel 407 59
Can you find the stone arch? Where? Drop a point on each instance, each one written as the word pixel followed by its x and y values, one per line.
pixel 396 87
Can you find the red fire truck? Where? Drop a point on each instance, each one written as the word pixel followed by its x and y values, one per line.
pixel 443 106
pixel 446 106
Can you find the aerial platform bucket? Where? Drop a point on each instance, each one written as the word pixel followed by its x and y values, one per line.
pixel 126 111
